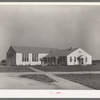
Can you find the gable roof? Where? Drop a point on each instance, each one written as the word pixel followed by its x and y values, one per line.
pixel 19 49
pixel 64 52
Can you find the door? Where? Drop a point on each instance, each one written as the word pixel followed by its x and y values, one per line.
pixel 81 61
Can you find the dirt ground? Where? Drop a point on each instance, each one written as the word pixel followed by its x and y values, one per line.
pixel 13 81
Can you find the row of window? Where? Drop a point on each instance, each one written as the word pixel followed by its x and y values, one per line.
pixel 34 57
pixel 72 59
pixel 76 58
pixel 51 59
pixel 25 57
pixel 61 59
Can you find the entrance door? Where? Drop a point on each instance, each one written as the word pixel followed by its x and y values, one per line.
pixel 81 61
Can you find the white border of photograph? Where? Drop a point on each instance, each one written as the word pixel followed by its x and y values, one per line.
pixel 49 93
pixel 50 3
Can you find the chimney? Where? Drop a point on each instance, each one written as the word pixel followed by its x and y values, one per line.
pixel 51 51
pixel 70 48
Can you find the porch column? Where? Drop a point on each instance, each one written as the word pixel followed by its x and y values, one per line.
pixel 56 60
pixel 47 60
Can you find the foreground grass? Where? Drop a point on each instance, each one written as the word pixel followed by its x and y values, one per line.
pixel 38 77
pixel 90 80
pixel 15 69
pixel 68 68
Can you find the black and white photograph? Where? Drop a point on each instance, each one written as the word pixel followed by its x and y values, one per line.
pixel 49 47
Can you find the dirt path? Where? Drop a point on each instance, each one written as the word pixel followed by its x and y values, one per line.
pixel 62 83
pixel 11 80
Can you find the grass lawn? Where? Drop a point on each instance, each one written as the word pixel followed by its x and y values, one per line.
pixel 68 68
pixel 90 80
pixel 15 69
pixel 38 77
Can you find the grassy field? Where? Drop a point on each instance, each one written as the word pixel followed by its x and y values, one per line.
pixel 38 77
pixel 15 69
pixel 90 80
pixel 68 68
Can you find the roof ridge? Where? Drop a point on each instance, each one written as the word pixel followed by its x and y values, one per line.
pixel 33 47
pixel 26 49
pixel 63 52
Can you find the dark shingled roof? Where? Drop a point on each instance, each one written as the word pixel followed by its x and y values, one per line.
pixel 19 49
pixel 64 52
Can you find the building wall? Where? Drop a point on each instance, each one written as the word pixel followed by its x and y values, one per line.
pixel 76 54
pixel 30 62
pixel 11 57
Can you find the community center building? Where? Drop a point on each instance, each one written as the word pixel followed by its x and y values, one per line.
pixel 17 55
pixel 70 56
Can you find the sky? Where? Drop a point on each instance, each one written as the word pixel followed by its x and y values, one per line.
pixel 53 26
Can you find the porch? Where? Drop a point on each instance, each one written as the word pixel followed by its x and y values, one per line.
pixel 54 61
pixel 82 60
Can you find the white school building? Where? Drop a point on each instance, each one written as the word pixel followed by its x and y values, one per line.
pixel 71 56
pixel 17 55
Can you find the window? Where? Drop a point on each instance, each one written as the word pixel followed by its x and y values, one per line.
pixel 60 58
pixel 48 59
pixel 34 57
pixel 45 59
pixel 22 56
pixel 25 57
pixel 74 59
pixel 64 59
pixel 86 59
pixel 51 59
pixel 70 59
pixel 37 57
pixel 54 60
